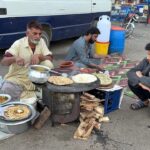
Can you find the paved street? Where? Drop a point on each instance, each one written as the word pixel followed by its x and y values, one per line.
pixel 127 130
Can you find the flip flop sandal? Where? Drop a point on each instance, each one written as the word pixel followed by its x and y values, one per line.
pixel 138 105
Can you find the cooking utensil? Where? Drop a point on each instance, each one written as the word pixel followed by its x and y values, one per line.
pixel 4 117
pixel 16 127
pixel 38 73
pixel 62 74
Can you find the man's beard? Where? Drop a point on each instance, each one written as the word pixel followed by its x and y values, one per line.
pixel 34 41
pixel 91 41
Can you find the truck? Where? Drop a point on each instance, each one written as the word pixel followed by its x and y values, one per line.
pixel 61 19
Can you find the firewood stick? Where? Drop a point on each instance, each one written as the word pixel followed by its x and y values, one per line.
pixel 104 119
pixel 89 96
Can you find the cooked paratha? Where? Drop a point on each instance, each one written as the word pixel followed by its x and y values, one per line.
pixel 59 80
pixel 104 79
pixel 84 78
pixel 17 112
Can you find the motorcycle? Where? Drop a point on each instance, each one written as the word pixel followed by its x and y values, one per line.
pixel 129 24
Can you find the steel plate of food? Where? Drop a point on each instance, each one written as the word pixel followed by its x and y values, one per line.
pixel 4 98
pixel 16 112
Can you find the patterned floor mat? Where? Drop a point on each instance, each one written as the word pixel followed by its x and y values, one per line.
pixel 118 66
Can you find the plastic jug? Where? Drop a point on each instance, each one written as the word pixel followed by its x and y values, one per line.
pixel 104 25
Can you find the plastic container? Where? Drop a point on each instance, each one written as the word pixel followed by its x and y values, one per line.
pixel 112 99
pixel 101 48
pixel 104 25
pixel 117 40
pixel 140 8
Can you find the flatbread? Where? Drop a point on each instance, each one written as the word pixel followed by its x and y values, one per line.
pixel 84 78
pixel 59 80
pixel 105 80
pixel 17 112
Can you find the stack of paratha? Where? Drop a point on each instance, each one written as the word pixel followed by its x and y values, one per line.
pixel 105 80
pixel 59 80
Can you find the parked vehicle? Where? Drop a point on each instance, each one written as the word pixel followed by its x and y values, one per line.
pixel 60 19
pixel 129 23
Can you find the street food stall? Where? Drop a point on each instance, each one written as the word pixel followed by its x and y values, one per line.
pixel 70 94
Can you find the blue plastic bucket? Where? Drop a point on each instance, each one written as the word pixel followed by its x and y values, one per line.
pixel 117 40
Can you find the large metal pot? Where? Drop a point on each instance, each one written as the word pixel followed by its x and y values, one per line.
pixel 15 127
pixel 38 73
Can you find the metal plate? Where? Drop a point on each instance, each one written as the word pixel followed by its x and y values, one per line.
pixel 8 119
pixel 8 98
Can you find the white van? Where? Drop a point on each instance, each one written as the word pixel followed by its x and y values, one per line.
pixel 61 19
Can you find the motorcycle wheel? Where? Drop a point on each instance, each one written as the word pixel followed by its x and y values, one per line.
pixel 128 29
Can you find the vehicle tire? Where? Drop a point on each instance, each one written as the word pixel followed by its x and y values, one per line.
pixel 128 29
pixel 47 37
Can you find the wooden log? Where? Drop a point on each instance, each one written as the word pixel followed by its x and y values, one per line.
pixel 89 96
pixel 104 119
pixel 99 109
pixel 97 126
pixel 43 117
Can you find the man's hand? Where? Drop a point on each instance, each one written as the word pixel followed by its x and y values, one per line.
pixel 35 59
pixel 144 87
pixel 20 61
pixel 139 74
pixel 100 67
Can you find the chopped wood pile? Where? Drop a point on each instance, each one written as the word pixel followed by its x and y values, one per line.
pixel 91 116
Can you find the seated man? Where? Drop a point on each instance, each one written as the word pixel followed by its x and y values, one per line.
pixel 81 50
pixel 139 81
pixel 27 50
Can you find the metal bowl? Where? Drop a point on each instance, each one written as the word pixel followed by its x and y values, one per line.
pixel 38 73
pixel 8 98
pixel 16 127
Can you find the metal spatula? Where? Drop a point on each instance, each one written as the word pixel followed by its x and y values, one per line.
pixel 62 74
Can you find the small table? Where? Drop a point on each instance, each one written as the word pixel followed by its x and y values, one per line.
pixel 49 90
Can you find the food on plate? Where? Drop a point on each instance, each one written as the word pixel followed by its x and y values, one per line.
pixel 17 112
pixel 84 78
pixel 3 99
pixel 59 80
pixel 104 79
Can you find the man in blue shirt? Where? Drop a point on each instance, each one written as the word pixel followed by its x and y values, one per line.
pixel 81 52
